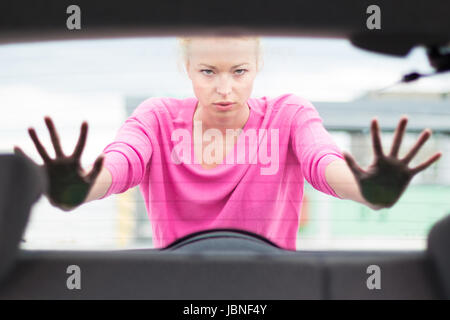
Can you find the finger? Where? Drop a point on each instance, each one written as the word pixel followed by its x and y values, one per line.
pixel 81 141
pixel 19 152
pixel 426 164
pixel 376 140
pixel 96 169
pixel 423 137
pixel 39 146
pixel 354 167
pixel 399 132
pixel 54 136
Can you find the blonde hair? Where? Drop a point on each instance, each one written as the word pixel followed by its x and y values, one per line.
pixel 183 50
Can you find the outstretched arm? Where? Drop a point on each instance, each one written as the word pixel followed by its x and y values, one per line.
pixel 382 184
pixel 101 184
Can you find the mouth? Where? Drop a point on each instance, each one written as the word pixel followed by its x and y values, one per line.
pixel 224 105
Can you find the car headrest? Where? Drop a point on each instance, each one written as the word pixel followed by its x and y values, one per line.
pixel 21 184
pixel 438 248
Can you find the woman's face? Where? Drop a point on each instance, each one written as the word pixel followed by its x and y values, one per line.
pixel 222 69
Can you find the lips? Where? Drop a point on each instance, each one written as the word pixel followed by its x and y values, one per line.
pixel 224 103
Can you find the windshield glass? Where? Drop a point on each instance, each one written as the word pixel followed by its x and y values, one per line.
pixel 103 81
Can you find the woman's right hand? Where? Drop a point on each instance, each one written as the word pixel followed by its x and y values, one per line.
pixel 68 184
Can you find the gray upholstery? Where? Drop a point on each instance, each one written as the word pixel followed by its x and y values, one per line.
pixel 223 267
pixel 439 252
pixel 21 184
pixel 149 274
pixel 153 274
pixel 404 275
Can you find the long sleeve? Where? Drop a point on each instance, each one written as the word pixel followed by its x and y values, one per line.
pixel 127 157
pixel 313 145
pixel 182 198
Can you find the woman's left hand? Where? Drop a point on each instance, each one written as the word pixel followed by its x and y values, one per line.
pixel 387 177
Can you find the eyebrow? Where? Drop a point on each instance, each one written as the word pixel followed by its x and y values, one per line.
pixel 212 67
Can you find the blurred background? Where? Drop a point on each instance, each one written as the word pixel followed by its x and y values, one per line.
pixel 103 81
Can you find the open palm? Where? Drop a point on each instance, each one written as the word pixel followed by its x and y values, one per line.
pixel 68 184
pixel 387 177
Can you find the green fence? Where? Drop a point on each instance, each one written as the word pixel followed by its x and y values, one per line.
pixel 411 217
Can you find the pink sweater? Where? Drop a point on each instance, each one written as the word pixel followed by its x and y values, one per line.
pixel 284 138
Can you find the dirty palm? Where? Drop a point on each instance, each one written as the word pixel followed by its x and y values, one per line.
pixel 68 184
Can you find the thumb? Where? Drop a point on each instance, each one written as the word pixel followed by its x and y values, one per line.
pixel 98 165
pixel 352 164
pixel 41 170
pixel 20 153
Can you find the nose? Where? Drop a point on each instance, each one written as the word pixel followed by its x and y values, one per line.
pixel 224 85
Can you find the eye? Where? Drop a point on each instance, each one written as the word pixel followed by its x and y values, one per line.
pixel 206 70
pixel 244 70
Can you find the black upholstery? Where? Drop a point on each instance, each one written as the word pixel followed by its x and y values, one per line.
pixel 399 34
pixel 221 240
pixel 21 184
pixel 226 244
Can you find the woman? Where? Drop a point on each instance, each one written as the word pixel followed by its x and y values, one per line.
pixel 224 160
